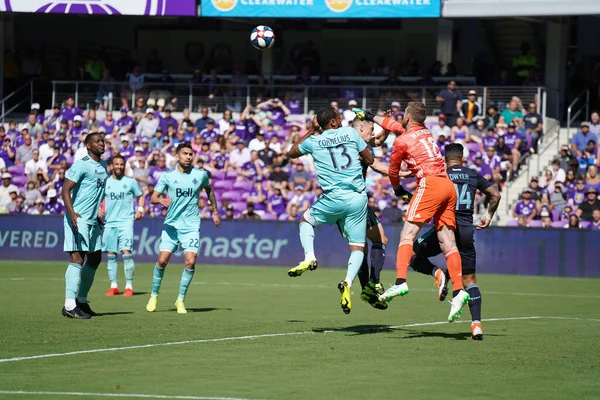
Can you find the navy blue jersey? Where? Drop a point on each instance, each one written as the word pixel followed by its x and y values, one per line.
pixel 466 182
pixel 364 166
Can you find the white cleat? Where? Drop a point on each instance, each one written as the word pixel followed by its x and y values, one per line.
pixel 457 304
pixel 393 291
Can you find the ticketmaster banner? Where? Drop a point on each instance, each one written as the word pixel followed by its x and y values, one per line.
pixel 322 8
pixel 550 252
pixel 103 7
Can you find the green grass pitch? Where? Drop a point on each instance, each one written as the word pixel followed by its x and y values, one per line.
pixel 283 338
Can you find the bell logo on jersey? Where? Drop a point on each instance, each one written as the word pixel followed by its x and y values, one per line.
pixel 184 193
pixel 117 196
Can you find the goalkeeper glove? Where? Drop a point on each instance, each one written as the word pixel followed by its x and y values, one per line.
pixel 363 114
pixel 403 193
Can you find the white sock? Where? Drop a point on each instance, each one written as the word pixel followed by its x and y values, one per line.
pixel 70 304
pixel 309 256
pixel 348 282
pixel 114 285
pixel 129 286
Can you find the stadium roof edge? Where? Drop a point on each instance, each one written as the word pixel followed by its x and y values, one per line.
pixel 518 8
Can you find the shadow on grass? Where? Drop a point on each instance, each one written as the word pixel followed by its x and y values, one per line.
pixel 443 335
pixel 358 329
pixel 108 314
pixel 139 293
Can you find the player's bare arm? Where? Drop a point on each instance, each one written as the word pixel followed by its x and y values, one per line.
pixel 380 138
pixel 493 195
pixel 139 213
pixel 367 157
pixel 212 199
pixel 295 150
pixel 66 196
pixel 380 167
pixel 158 198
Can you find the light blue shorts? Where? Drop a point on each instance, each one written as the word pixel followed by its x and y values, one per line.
pixel 347 210
pixel 171 238
pixel 87 239
pixel 117 238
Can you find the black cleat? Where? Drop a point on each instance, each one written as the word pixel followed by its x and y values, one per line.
pixel 85 307
pixel 76 313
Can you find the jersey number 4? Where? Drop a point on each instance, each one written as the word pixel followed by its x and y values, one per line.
pixel 463 197
pixel 344 154
pixel 433 150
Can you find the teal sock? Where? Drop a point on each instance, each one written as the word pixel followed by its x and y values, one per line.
pixel 72 281
pixel 186 278
pixel 112 269
pixel 307 238
pixel 157 279
pixel 354 263
pixel 129 267
pixel 87 278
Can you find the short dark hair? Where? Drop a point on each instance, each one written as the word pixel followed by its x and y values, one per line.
pixel 417 110
pixel 118 156
pixel 325 115
pixel 454 151
pixel 184 145
pixel 88 138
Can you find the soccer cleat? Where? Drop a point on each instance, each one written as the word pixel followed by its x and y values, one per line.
pixel 370 294
pixel 76 313
pixel 393 291
pixel 302 267
pixel 476 331
pixel 180 307
pixel 441 280
pixel 85 307
pixel 346 303
pixel 113 291
pixel 128 292
pixel 151 306
pixel 457 304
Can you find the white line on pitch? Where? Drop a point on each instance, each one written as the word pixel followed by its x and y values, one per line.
pixel 125 395
pixel 266 335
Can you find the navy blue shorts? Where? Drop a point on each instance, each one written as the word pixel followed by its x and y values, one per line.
pixel 427 245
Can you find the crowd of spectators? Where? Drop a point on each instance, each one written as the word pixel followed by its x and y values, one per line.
pixel 566 195
pixel 247 155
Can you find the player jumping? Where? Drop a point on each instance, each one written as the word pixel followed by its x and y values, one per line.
pixel 435 198
pixel 86 179
pixel 466 182
pixel 371 285
pixel 183 185
pixel 120 193
pixel 336 154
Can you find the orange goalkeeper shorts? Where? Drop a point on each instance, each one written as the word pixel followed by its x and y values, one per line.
pixel 435 198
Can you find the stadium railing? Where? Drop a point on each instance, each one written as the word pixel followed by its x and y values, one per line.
pixel 308 98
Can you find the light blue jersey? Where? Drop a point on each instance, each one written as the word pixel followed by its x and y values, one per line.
pixel 90 178
pixel 120 198
pixel 184 191
pixel 335 152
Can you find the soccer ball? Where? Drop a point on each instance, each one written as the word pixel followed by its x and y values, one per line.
pixel 262 37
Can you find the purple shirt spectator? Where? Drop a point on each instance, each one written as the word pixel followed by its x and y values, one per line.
pixel 576 197
pixel 241 131
pixel 493 162
pixel 295 106
pixel 53 120
pixel 209 135
pixel 220 160
pixel 54 207
pixel 510 139
pixel 109 127
pixel 277 203
pixel 205 156
pixel 249 166
pixel 58 184
pixel 489 141
pixel 127 121
pixel 483 170
pixel 166 121
pixel 155 173
pixel 525 209
pixel 277 116
pixel 126 152
pixel 75 131
pixel 252 129
pixel 5 157
pixel 442 146
pixel 68 113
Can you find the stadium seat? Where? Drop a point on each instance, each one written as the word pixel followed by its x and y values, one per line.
pixel 555 215
pixel 243 185
pixel 223 185
pixel 558 224
pixel 218 175
pixel 17 170
pixel 19 180
pixel 269 217
pixel 536 223
pixel 283 217
pixel 512 222
pixel 239 206
pixel 231 175
pixel 233 196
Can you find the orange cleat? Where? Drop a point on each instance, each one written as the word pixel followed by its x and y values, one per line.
pixel 128 292
pixel 113 291
pixel 476 331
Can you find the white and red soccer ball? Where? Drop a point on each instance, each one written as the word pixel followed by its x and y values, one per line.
pixel 262 37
